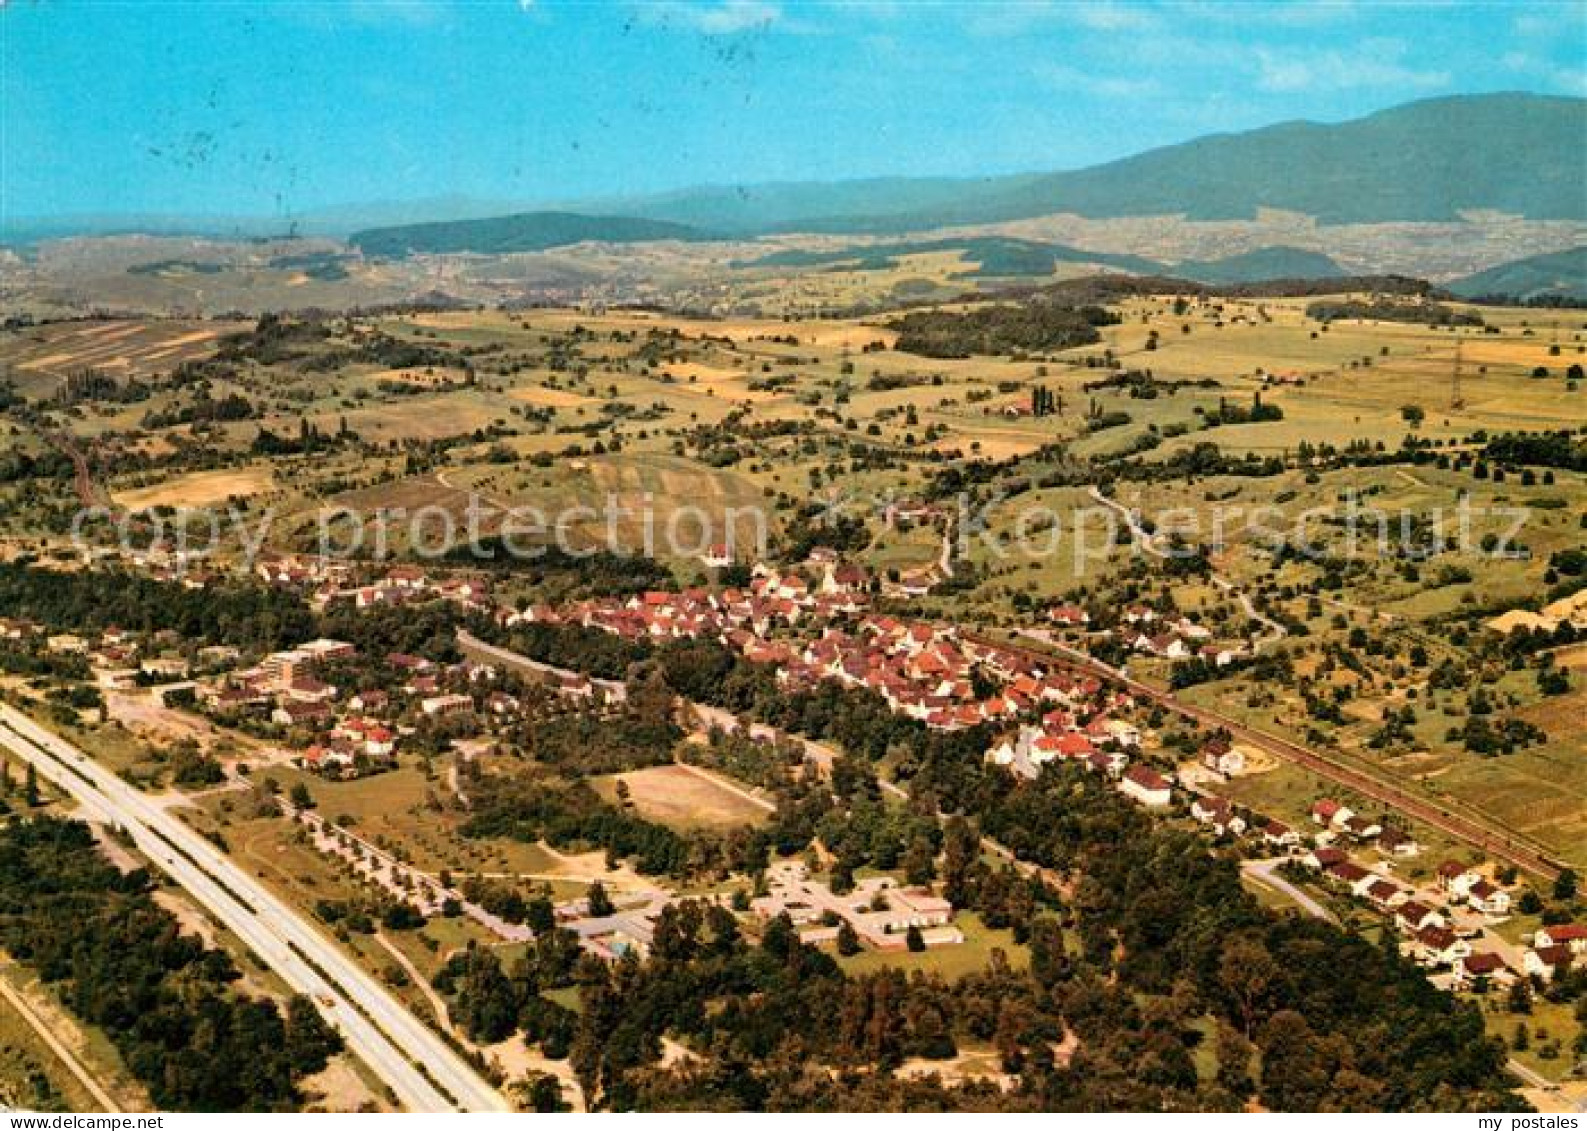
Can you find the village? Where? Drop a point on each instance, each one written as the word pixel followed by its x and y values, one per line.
pixel 811 631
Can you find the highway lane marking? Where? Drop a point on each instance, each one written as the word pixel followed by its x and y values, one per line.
pixel 416 1076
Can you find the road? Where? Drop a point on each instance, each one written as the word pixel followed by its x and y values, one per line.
pixel 58 1047
pixel 1263 872
pixel 1148 543
pixel 1472 828
pixel 420 1068
pixel 472 646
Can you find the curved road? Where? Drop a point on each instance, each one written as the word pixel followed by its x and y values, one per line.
pixel 1148 543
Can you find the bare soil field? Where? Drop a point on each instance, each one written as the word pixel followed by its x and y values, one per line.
pixel 682 798
pixel 41 356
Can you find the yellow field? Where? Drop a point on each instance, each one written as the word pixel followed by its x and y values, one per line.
pixel 199 489
pixel 683 798
pixel 550 398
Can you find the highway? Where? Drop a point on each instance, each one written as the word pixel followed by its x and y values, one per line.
pixel 423 1072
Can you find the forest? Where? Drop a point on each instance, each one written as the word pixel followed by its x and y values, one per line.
pixel 1154 982
pixel 121 962
pixel 1031 327
pixel 249 617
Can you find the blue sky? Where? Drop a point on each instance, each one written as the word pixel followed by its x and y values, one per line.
pixel 273 109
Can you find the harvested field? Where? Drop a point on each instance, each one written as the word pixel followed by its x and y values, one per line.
pixel 685 798
pixel 200 489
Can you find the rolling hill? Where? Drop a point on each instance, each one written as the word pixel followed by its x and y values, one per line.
pixel 1260 266
pixel 521 232
pixel 994 256
pixel 1559 274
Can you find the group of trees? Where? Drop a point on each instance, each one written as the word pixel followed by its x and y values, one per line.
pixel 1029 327
pixel 1385 310
pixel 121 962
pixel 250 617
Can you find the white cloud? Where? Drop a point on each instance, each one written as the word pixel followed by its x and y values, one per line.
pixel 1111 17
pixel 1310 13
pixel 1550 75
pixel 1058 76
pixel 729 17
pixel 1373 63
pixel 1106 16
pixel 1533 25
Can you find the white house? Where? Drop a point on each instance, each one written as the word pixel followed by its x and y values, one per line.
pixel 1570 935
pixel 1146 786
pixel 1488 898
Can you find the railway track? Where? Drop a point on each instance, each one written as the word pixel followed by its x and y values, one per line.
pixel 1528 857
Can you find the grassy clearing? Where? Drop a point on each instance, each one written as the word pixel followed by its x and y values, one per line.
pixel 949 962
pixel 682 798
pixel 201 488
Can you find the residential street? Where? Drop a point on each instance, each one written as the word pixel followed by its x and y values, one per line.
pixel 1265 872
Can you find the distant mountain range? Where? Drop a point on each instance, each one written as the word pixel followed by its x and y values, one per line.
pixel 1434 161
pixel 1424 161
pixel 1559 274
pixel 525 231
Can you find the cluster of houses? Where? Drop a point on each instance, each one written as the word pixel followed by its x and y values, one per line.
pixel 879 909
pixel 1443 926
pixel 326 582
pixel 125 657
pixel 924 671
pixel 1143 629
pixel 772 600
pixel 1180 638
pixel 361 729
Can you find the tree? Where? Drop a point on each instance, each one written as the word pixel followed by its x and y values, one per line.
pixel 914 940
pixel 848 940
pixel 540 1091
pixel 1049 961
pixel 1520 996
pixel 960 854
pixel 310 1040
pixel 540 915
pixel 599 902
pixel 920 862
pixel 1247 973
pixel 30 791
pixel 300 796
pixel 401 917
pixel 1564 884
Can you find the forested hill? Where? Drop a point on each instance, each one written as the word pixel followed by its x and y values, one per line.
pixel 1557 274
pixel 524 231
pixel 1261 265
pixel 1422 161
